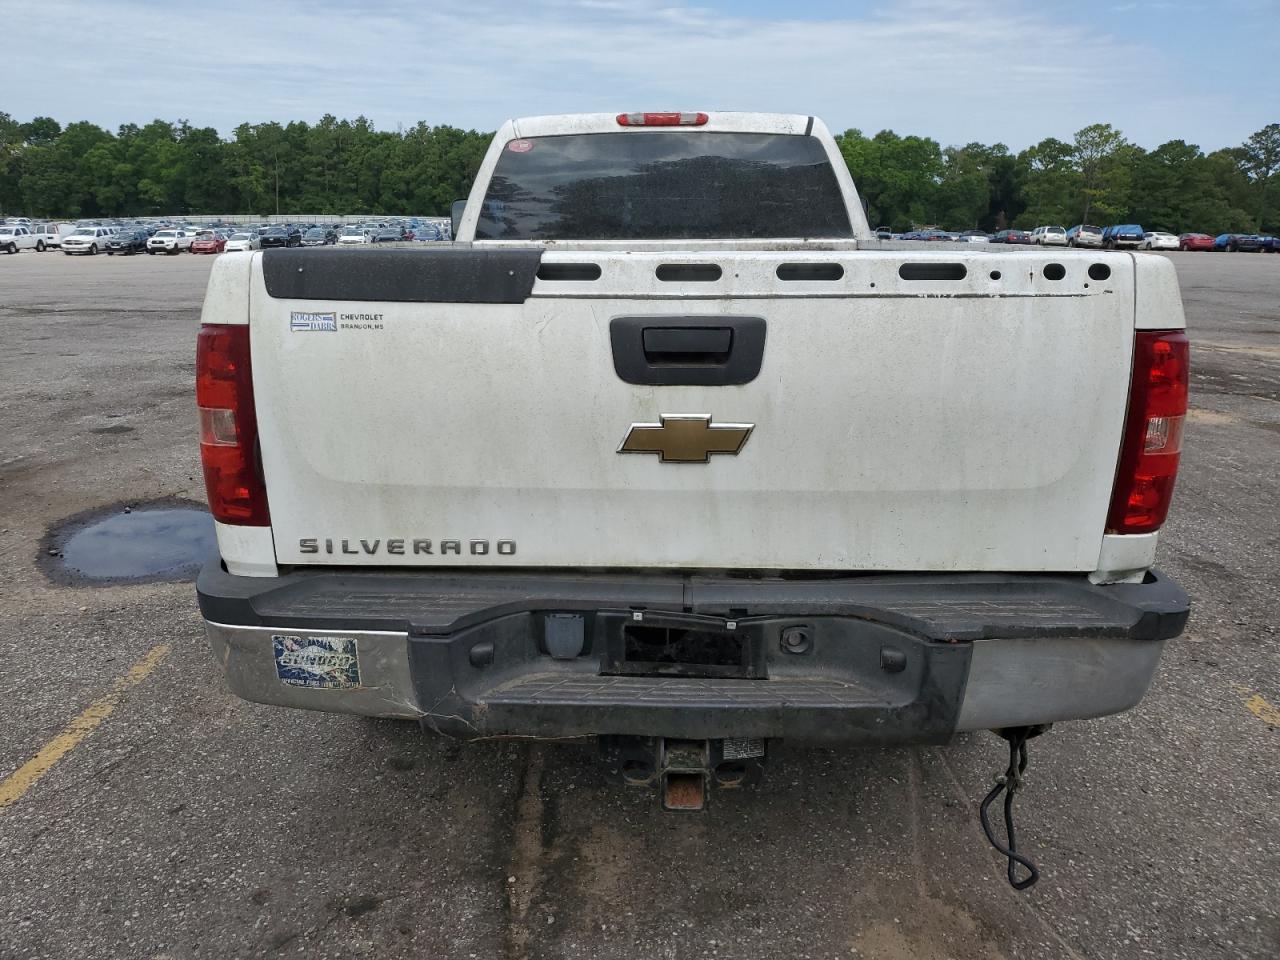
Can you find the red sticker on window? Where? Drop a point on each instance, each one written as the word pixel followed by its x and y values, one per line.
pixel 520 146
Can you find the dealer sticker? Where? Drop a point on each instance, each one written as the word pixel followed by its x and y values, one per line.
pixel 312 321
pixel 330 663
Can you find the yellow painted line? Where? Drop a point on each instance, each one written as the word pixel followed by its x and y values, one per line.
pixel 1261 708
pixel 24 778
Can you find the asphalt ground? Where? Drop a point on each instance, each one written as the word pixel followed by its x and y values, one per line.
pixel 181 822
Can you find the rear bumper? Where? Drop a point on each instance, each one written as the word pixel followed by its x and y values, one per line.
pixel 872 660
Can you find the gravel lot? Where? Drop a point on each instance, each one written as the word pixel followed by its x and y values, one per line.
pixel 191 824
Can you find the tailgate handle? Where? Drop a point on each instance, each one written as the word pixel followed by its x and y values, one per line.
pixel 687 344
pixel 711 351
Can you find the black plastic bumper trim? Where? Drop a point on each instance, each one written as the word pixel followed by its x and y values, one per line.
pixel 431 275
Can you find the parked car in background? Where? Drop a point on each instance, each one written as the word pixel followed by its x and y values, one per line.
pixel 1195 241
pixel 52 234
pixel 282 237
pixel 18 236
pixel 1122 235
pixel 170 242
pixel 1237 243
pixel 1049 236
pixel 353 234
pixel 974 236
pixel 209 241
pixel 88 240
pixel 1270 244
pixel 1011 236
pixel 387 235
pixel 319 237
pixel 245 240
pixel 1158 240
pixel 1084 235
pixel 429 232
pixel 882 233
pixel 128 241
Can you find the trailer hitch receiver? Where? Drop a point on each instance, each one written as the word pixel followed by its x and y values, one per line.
pixel 684 772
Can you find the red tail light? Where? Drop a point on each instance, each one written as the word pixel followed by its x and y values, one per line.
pixel 229 427
pixel 1152 432
pixel 661 119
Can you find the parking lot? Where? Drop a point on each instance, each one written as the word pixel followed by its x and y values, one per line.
pixel 181 822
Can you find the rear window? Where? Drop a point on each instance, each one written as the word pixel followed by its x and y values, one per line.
pixel 681 185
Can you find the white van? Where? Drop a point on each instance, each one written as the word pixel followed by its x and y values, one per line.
pixel 52 233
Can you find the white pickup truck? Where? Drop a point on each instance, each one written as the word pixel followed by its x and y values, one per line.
pixel 19 236
pixel 667 446
pixel 171 241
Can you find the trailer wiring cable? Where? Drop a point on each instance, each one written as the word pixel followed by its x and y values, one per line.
pixel 1009 784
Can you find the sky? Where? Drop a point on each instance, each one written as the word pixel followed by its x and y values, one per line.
pixel 1014 71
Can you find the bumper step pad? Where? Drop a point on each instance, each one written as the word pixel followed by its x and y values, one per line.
pixel 664 692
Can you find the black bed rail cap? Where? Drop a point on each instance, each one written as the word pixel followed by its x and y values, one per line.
pixel 431 275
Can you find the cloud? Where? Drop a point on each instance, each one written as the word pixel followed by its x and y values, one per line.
pixel 952 69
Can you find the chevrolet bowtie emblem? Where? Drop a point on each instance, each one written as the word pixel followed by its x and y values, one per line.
pixel 685 438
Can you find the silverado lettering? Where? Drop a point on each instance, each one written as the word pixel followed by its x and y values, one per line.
pixel 396 546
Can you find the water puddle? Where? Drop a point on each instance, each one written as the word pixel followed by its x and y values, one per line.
pixel 159 541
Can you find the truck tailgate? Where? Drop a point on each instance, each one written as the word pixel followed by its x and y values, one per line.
pixel 932 411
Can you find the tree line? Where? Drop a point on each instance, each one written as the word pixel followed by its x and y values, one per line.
pixel 168 169
pixel 1098 177
pixel 347 167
